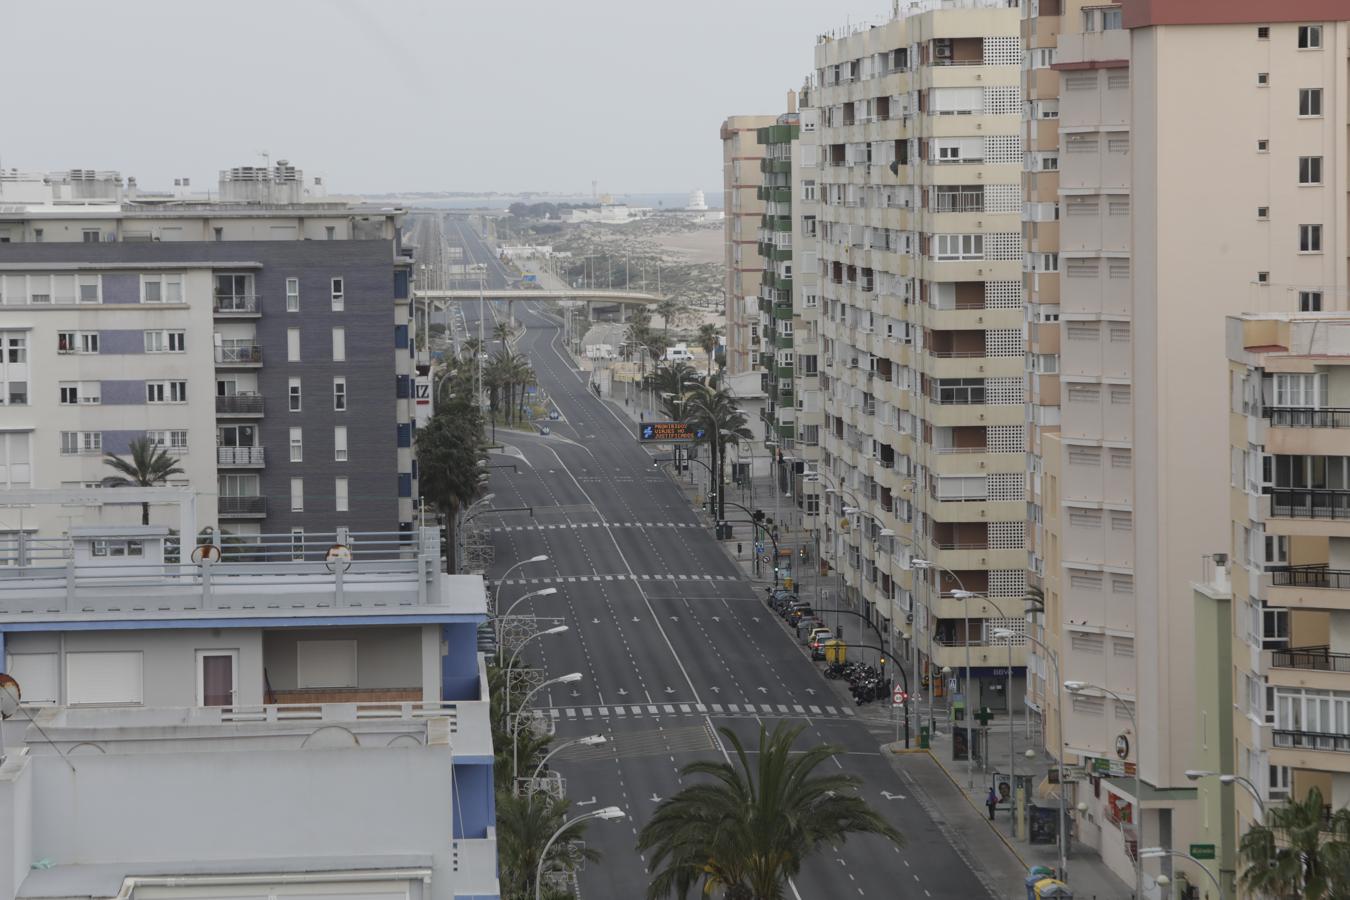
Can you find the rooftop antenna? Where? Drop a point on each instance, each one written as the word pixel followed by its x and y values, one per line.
pixel 267 159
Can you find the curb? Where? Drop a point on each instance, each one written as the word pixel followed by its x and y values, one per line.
pixel 1001 836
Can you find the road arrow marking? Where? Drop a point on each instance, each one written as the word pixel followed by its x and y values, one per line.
pixel 655 799
pixel 811 691
pixel 715 689
pixel 889 796
pixel 622 692
pixel 576 693
pixel 669 689
pixel 674 618
pixel 763 690
pixel 590 802
pixel 754 618
pixel 636 619
pixel 595 621
pixel 717 618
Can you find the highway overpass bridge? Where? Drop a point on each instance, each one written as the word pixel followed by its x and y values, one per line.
pixel 592 297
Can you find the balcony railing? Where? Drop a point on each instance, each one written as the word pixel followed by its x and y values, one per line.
pixel 243 506
pixel 1298 417
pixel 1320 659
pixel 1310 503
pixel 1310 577
pixel 1310 740
pixel 958 201
pixel 240 456
pixel 235 303
pixel 239 353
pixel 963 395
pixel 240 405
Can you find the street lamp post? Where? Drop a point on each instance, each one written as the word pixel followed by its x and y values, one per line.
pixel 1077 687
pixel 609 812
pixel 590 740
pixel 510 665
pixel 960 593
pixel 497 620
pixel 497 594
pixel 1163 880
pixel 524 704
pixel 1059 755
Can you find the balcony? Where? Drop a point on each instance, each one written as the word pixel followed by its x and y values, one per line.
pixel 249 355
pixel 1285 739
pixel 240 457
pixel 1309 587
pixel 1297 417
pixel 1310 503
pixel 958 201
pixel 245 305
pixel 240 405
pixel 1316 576
pixel 1319 659
pixel 243 507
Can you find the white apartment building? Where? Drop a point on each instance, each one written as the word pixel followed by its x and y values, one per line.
pixel 743 206
pixel 921 334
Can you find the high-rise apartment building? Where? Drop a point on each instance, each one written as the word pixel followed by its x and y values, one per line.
pixel 743 209
pixel 921 346
pixel 1199 175
pixel 261 337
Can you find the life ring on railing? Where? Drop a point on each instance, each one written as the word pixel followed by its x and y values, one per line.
pixel 205 553
pixel 339 556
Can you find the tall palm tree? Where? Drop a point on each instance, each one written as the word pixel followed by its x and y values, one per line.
pixel 1299 853
pixel 471 347
pixel 669 309
pixel 708 335
pixel 746 831
pixel 723 424
pixel 147 465
pixel 502 331
pixel 524 826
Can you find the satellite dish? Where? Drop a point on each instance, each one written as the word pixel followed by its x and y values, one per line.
pixel 10 695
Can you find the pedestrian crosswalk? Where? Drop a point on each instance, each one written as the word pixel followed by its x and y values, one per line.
pixel 564 526
pixel 639 710
pixel 623 576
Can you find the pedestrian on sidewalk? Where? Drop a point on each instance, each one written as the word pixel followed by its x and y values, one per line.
pixel 992 802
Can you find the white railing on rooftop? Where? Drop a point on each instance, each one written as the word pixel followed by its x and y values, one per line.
pixel 262 572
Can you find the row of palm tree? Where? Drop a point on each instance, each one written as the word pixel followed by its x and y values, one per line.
pixel 641 333
pixel 1300 851
pixel 506 378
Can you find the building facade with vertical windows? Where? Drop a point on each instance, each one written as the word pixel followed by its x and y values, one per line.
pixel 262 339
pixel 744 207
pixel 921 347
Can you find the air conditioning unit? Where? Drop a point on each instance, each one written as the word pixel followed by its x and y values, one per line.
pixel 942 49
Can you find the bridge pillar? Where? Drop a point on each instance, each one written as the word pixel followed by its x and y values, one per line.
pixel 623 313
pixel 590 310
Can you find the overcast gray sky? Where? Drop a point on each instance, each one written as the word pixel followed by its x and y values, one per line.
pixel 414 95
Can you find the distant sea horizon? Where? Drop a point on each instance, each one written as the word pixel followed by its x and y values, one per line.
pixel 503 200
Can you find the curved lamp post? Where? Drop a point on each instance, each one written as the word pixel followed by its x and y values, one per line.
pixel 1079 687
pixel 609 812
pixel 524 704
pixel 557 629
pixel 590 740
pixel 1163 880
pixel 497 594
pixel 497 620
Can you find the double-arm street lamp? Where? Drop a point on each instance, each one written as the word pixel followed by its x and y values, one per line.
pixel 510 665
pixel 609 812
pixel 497 620
pixel 590 740
pixel 1163 880
pixel 1245 783
pixel 497 594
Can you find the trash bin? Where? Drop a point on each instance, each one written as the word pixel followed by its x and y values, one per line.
pixel 787 582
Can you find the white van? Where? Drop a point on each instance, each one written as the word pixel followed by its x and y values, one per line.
pixel 679 353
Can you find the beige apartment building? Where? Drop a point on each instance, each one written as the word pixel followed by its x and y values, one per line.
pixel 1200 173
pixel 921 337
pixel 743 206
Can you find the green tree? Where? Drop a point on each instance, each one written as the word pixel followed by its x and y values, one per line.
pixel 746 830
pixel 449 449
pixel 669 310
pixel 502 331
pixel 524 826
pixel 708 339
pixel 1299 852
pixel 147 465
pixel 723 424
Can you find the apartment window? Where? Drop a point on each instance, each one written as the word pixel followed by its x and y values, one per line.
pixel 330 232
pixel 1263 146
pixel 294 393
pixel 292 295
pixel 161 288
pixel 297 445
pixel 218 233
pixel 959 246
pixel 88 288
pixel 81 442
pixel 339 443
pixel 808 190
pixel 339 344
pixel 1310 239
pixel 165 341
pixel 1263 32
pixel 1274 628
pixel 1310 37
pixel 1263 278
pixel 171 439
pixel 90 235
pixel 1262 79
pixel 85 393
pixel 1310 170
pixel 292 344
pixel 338 299
pixel 340 494
pixel 166 392
pixel 1309 301
pixel 1310 102
pixel 77 342
pixel 1263 212
pixel 340 393
pixel 297 544
pixel 1305 391
pixel 297 495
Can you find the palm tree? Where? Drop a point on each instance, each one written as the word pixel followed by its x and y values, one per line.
pixel 723 423
pixel 669 309
pixel 471 347
pixel 1299 853
pixel 502 331
pixel 524 826
pixel 708 335
pixel 449 448
pixel 747 831
pixel 149 465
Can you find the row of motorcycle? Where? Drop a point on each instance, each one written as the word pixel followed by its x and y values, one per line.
pixel 866 682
